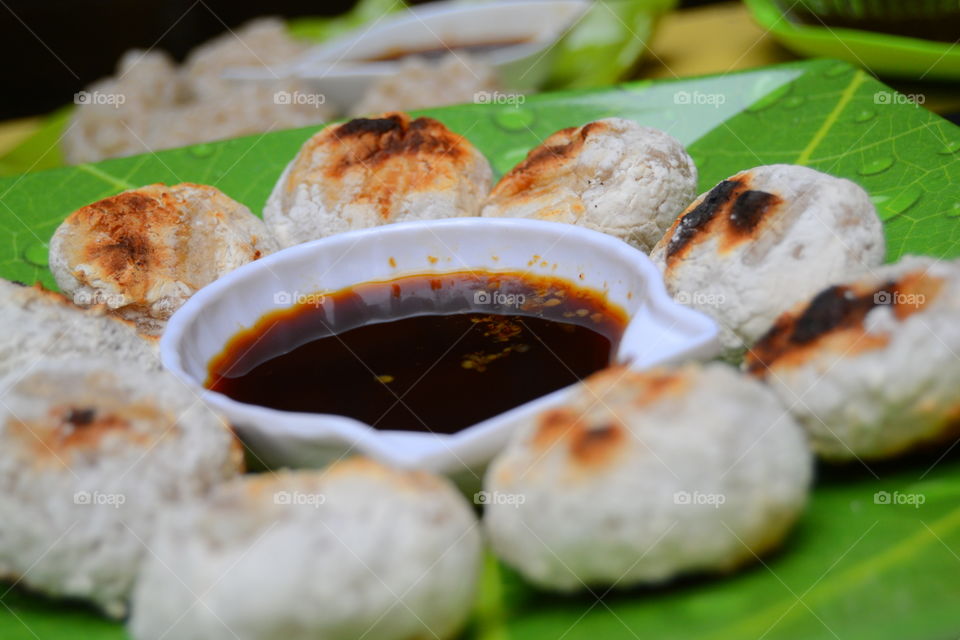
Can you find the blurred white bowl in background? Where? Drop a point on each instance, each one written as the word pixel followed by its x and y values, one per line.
pixel 345 67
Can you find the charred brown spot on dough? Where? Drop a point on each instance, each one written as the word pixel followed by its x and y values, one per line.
pixel 119 235
pixel 66 429
pixel 81 417
pixel 840 310
pixel 833 309
pixel 546 159
pixel 371 142
pixel 376 126
pixel 125 252
pixel 750 208
pixel 913 292
pixel 698 219
pixel 657 385
pixel 596 445
pixel 554 423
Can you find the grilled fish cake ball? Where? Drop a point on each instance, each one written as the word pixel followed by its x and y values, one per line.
pixel 870 367
pixel 373 171
pixel 612 175
pixel 644 476
pixel 356 550
pixel 144 252
pixel 764 240
pixel 90 452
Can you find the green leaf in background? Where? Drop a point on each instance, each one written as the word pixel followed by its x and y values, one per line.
pixel 606 43
pixel 854 569
pixel 41 150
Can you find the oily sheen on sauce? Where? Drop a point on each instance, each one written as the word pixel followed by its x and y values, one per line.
pixel 430 352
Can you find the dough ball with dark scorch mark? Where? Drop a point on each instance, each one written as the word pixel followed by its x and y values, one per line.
pixel 871 367
pixel 91 451
pixel 612 175
pixel 142 253
pixel 764 240
pixel 643 476
pixel 373 171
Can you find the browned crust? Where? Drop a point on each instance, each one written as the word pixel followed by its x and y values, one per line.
pixel 731 211
pixel 121 236
pixel 545 162
pixel 595 444
pixel 834 320
pixel 392 154
pixel 372 142
pixel 75 428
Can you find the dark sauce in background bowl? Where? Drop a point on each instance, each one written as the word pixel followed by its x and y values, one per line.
pixel 436 52
pixel 430 352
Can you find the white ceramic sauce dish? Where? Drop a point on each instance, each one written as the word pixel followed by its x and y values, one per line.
pixel 658 331
pixel 344 68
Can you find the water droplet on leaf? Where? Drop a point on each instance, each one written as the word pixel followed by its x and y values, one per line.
pixel 770 99
pixel 875 166
pixel 879 200
pixel 37 254
pixel 865 115
pixel 201 150
pixel 513 118
pixel 950 147
pixel 904 200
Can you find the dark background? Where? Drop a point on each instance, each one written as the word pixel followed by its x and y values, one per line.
pixel 54 48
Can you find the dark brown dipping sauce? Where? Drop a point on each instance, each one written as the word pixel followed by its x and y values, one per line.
pixel 433 352
pixel 476 48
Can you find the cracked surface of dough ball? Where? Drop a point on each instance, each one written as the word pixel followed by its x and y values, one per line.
pixel 90 452
pixel 36 324
pixel 764 240
pixel 643 476
pixel 611 175
pixel 356 550
pixel 144 252
pixel 870 367
pixel 373 171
